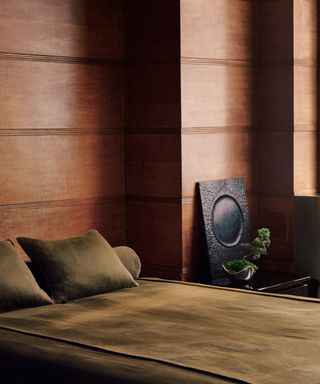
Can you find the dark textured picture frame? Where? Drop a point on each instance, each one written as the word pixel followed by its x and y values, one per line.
pixel 226 220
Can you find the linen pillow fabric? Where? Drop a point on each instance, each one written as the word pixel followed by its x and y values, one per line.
pixel 18 288
pixel 79 266
pixel 129 259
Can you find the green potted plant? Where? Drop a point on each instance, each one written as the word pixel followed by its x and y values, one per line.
pixel 243 269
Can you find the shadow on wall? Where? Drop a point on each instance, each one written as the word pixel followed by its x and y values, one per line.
pixel 307 235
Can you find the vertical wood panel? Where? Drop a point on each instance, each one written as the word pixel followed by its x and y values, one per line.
pixel 274 156
pixel 274 98
pixel 216 156
pixel 274 118
pixel 276 213
pixel 153 165
pixel 216 29
pixel 305 30
pixel 153 97
pixel 61 118
pixel 153 231
pixel 153 144
pixel 216 95
pixel 305 96
pixel 306 158
pixel 60 95
pixel 217 116
pixel 286 116
pixel 152 30
pixel 76 28
pixel 306 103
pixel 273 26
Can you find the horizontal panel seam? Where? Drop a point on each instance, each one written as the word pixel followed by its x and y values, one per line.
pixel 58 59
pixel 217 129
pixel 33 57
pixel 63 203
pixel 172 130
pixel 219 62
pixel 153 199
pixel 249 63
pixel 59 131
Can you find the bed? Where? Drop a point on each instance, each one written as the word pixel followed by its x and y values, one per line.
pixel 165 332
pixel 95 321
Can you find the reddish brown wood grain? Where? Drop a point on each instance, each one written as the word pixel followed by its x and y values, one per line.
pixel 153 135
pixel 152 30
pixel 274 157
pixel 71 28
pixel 154 231
pixel 49 167
pixel 305 28
pixel 273 106
pixel 216 156
pixel 153 98
pixel 276 213
pixel 64 218
pixel 273 29
pixel 216 29
pixel 62 118
pixel 217 83
pixel 105 98
pixel 216 95
pixel 153 165
pixel 60 95
pixel 306 156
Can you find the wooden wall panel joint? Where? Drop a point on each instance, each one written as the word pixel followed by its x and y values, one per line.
pixel 284 63
pixel 172 130
pixel 152 61
pixel 153 199
pixel 58 59
pixel 112 199
pixel 59 131
pixel 221 129
pixel 213 61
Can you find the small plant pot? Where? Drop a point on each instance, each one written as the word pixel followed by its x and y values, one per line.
pixel 244 275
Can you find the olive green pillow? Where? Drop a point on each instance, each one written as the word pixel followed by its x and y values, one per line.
pixel 79 266
pixel 18 287
pixel 129 259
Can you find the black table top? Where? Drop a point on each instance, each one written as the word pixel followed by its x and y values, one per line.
pixel 266 281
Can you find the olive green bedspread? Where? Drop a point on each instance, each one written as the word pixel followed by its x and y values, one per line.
pixel 170 332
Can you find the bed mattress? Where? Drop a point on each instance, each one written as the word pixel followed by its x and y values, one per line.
pixel 167 332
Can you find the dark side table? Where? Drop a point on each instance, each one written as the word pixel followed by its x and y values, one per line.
pixel 276 282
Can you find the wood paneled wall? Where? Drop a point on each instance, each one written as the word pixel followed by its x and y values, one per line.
pixel 216 101
pixel 274 109
pixel 62 118
pixel 306 84
pixel 112 110
pixel 153 143
pixel 286 115
pixel 247 107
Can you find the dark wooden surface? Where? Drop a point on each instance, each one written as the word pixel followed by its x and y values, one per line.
pixel 275 282
pixel 153 135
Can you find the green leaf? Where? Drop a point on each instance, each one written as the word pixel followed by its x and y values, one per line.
pixel 239 264
pixel 259 244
